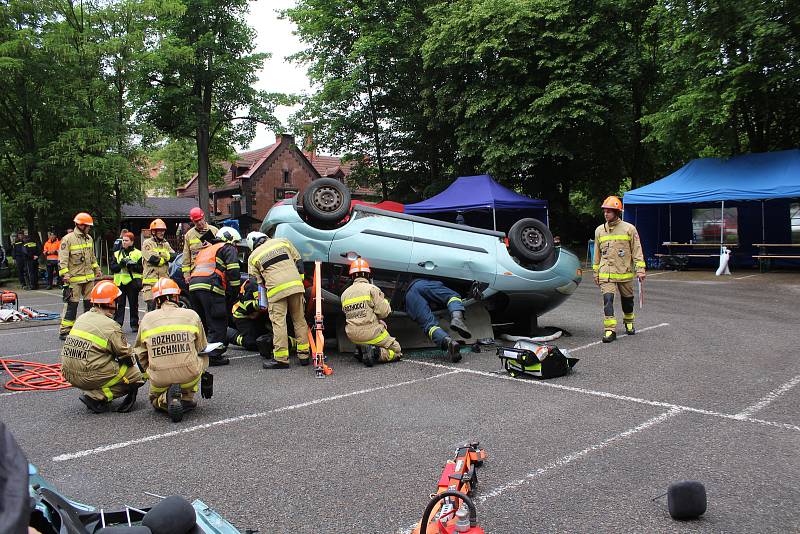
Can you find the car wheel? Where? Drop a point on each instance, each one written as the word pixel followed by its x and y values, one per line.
pixel 184 302
pixel 326 201
pixel 530 240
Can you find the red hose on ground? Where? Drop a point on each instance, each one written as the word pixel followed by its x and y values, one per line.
pixel 34 376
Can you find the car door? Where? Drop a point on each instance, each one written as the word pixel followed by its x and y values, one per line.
pixel 384 241
pixel 444 252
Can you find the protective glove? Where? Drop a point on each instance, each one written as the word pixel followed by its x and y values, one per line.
pixel 206 385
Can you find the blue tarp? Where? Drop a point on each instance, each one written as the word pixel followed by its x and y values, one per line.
pixel 762 176
pixel 473 193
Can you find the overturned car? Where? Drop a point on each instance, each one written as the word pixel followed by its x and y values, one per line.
pixel 518 277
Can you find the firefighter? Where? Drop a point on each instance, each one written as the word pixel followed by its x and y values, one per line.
pixel 50 249
pixel 126 264
pixel 96 357
pixel 213 283
pixel 618 258
pixel 276 265
pixel 196 238
pixel 168 348
pixel 251 330
pixel 32 263
pixel 20 254
pixel 365 308
pixel 157 253
pixel 421 295
pixel 78 269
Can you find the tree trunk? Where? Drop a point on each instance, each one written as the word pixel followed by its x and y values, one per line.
pixel 376 135
pixel 204 139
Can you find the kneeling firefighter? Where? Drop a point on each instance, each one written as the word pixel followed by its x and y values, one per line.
pixel 421 295
pixel 213 287
pixel 365 307
pixel 167 347
pixel 96 357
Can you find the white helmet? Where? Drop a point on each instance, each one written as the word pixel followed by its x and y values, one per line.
pixel 230 235
pixel 254 239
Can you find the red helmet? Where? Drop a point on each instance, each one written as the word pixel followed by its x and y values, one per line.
pixel 359 266
pixel 105 293
pixel 158 224
pixel 195 214
pixel 165 286
pixel 83 218
pixel 612 203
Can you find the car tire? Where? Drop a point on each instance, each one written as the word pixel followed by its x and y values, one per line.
pixel 326 201
pixel 530 240
pixel 184 302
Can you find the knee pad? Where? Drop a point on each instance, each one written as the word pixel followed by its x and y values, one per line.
pixel 627 304
pixel 265 346
pixel 608 304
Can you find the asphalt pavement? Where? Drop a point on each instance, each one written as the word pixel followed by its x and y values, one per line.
pixel 707 390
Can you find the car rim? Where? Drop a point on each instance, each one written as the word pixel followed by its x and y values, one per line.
pixel 533 239
pixel 327 199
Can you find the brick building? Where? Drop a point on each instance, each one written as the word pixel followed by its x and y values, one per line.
pixel 259 178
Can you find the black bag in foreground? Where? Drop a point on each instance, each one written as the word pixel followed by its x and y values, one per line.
pixel 533 359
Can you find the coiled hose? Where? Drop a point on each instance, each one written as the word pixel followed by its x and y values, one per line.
pixel 33 376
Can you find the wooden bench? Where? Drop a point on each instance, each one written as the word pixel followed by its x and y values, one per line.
pixel 764 256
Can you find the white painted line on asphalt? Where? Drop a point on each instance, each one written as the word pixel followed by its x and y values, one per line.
pixel 743 277
pixel 650 275
pixel 568 459
pixel 29 330
pixel 12 393
pixel 767 399
pixel 154 437
pixel 28 353
pixel 243 356
pixel 54 295
pixel 613 396
pixel 593 343
pixel 577 455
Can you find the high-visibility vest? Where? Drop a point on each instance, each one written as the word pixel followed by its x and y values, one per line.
pixel 123 277
pixel 51 249
pixel 205 264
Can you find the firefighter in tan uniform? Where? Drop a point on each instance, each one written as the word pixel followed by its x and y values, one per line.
pixel 365 307
pixel 96 356
pixel 196 238
pixel 618 259
pixel 168 346
pixel 277 266
pixel 78 268
pixel 156 255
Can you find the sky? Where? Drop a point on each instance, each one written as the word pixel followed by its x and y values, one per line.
pixel 281 76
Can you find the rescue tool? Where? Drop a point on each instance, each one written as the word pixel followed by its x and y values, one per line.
pixel 451 508
pixel 316 336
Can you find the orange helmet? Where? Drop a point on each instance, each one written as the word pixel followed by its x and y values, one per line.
pixel 359 265
pixel 195 214
pixel 105 293
pixel 164 287
pixel 612 203
pixel 83 218
pixel 158 224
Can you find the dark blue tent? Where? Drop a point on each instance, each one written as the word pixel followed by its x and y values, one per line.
pixel 472 193
pixel 759 186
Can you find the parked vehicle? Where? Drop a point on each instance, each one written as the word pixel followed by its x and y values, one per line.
pixel 519 278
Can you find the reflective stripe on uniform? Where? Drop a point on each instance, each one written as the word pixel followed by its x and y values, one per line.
pixel 281 287
pixel 106 388
pixel 194 241
pixel 79 247
pixel 276 354
pixel 613 237
pixel 198 285
pixel 641 264
pixel 232 265
pixel 149 280
pixel 82 278
pixel 276 246
pixel 433 329
pixel 192 384
pixel 453 299
pixel 629 317
pixel 615 276
pixel 377 339
pixel 62 272
pixel 64 322
pixel 186 269
pixel 353 300
pixel 97 340
pixel 302 347
pixel 609 322
pixel 595 266
pixel 171 328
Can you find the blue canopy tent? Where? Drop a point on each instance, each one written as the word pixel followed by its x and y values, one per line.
pixel 760 186
pixel 478 193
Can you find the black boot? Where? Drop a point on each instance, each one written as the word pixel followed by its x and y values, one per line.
pixel 457 323
pixel 275 364
pixel 216 358
pixel 609 336
pixel 130 399
pixel 630 329
pixel 453 349
pixel 97 406
pixel 304 361
pixel 264 344
pixel 174 404
pixel 367 355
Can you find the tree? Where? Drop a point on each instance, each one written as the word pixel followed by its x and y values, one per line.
pixel 178 158
pixel 201 78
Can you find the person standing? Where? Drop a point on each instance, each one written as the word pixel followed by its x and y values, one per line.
pixel 277 266
pixel 32 263
pixel 214 283
pixel 126 264
pixel 20 254
pixel 78 268
pixel 617 259
pixel 50 249
pixel 168 348
pixel 96 357
pixel 157 253
pixel 365 308
pixel 196 238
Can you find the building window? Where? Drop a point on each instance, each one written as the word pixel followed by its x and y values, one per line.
pixel 794 218
pixel 707 222
pixel 286 177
